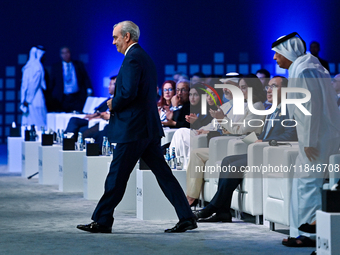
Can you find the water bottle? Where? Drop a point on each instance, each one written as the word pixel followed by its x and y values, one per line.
pixel 80 142
pixel 42 128
pixel 58 136
pixel 173 158
pixel 113 147
pixel 105 146
pixel 61 136
pixel 33 133
pixel 167 156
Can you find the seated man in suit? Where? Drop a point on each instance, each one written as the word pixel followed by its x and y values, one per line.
pixel 69 86
pixel 76 124
pixel 228 181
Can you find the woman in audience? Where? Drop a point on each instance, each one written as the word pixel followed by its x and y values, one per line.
pixel 180 106
pixel 198 157
pixel 168 91
pixel 181 138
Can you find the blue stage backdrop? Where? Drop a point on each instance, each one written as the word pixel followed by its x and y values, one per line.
pixel 210 36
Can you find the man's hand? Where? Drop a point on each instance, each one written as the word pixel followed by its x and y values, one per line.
pixel 258 141
pixel 311 153
pixel 109 104
pixel 175 101
pixel 105 115
pixel 201 131
pixel 92 116
pixel 219 114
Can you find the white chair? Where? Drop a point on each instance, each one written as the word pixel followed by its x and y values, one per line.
pixel 199 141
pixel 218 149
pixel 248 197
pixel 277 186
pixel 168 134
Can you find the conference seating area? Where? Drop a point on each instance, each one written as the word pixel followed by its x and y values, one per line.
pixel 260 199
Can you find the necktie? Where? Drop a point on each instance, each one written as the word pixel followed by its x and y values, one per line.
pixel 268 127
pixel 68 73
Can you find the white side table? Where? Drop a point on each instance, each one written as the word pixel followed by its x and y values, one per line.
pixel 94 175
pixel 14 154
pixel 327 233
pixel 71 165
pixel 151 202
pixel 129 199
pixel 49 164
pixel 29 158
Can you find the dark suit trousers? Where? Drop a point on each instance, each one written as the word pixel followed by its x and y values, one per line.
pixel 227 183
pixel 76 125
pixel 125 157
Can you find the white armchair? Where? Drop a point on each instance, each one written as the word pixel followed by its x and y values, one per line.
pixel 198 141
pixel 168 134
pixel 218 149
pixel 248 197
pixel 277 186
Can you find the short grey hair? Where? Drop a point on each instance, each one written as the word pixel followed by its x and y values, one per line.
pixel 129 27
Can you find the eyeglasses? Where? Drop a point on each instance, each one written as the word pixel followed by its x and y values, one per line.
pixel 169 89
pixel 271 86
pixel 182 90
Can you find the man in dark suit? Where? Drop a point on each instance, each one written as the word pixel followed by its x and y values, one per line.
pixel 228 181
pixel 76 124
pixel 136 128
pixel 69 86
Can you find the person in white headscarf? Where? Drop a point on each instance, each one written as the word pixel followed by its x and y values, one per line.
pixel 33 83
pixel 318 133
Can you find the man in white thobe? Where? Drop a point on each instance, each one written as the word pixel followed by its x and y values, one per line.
pixel 32 86
pixel 318 133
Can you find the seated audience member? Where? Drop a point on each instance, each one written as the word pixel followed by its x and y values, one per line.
pixel 76 124
pixel 231 78
pixel 168 91
pixel 198 157
pixel 314 49
pixel 336 86
pixel 179 76
pixel 197 77
pixel 180 106
pixel 264 77
pixel 181 139
pixel 228 181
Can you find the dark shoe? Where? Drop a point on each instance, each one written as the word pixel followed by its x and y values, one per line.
pixel 204 213
pixel 94 227
pixel 217 218
pixel 182 226
pixel 300 241
pixel 308 228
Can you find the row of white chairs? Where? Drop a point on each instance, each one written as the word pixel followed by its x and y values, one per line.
pixel 259 194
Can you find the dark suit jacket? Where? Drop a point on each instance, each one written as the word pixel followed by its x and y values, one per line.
pixel 179 116
pixel 102 107
pixel 56 85
pixel 134 106
pixel 279 132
